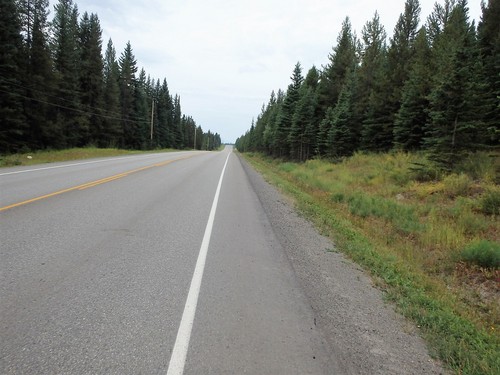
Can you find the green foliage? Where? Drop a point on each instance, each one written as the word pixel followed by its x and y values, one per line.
pixel 13 129
pixel 433 89
pixel 465 343
pixel 490 202
pixel 456 185
pixel 402 217
pixel 483 253
pixel 58 91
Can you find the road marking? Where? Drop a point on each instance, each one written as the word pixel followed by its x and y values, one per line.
pixel 179 353
pixel 75 164
pixel 91 183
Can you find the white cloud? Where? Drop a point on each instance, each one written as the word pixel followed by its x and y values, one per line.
pixel 224 57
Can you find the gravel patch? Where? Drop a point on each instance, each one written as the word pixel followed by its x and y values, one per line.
pixel 365 333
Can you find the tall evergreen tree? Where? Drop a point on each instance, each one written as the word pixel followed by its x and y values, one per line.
pixel 165 132
pixel 13 129
pixel 342 136
pixel 272 111
pixel 284 121
pixel 376 134
pixel 489 44
pixel 130 123
pixel 142 114
pixel 400 54
pixel 177 133
pixel 453 127
pixel 302 136
pixel 39 80
pixel 412 115
pixel 342 60
pixel 71 128
pixel 111 131
pixel 91 74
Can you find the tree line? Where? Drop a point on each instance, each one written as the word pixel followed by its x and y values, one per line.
pixel 57 90
pixel 434 88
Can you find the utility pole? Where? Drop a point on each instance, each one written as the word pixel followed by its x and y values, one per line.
pixel 195 137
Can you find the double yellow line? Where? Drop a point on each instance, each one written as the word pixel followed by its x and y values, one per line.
pixel 91 184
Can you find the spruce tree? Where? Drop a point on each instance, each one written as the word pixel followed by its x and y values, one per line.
pixel 453 127
pixel 412 115
pixel 376 133
pixel 342 60
pixel 130 123
pixel 111 131
pixel 272 110
pixel 489 44
pixel 284 121
pixel 13 128
pixel 142 114
pixel 400 54
pixel 341 136
pixel 39 81
pixel 91 74
pixel 302 136
pixel 177 132
pixel 70 128
pixel 164 109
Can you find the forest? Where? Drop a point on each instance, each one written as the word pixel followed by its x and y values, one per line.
pixel 57 90
pixel 432 87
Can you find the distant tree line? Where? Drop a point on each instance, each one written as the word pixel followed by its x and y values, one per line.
pixel 434 88
pixel 58 91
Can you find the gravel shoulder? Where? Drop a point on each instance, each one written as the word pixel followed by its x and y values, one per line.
pixel 364 333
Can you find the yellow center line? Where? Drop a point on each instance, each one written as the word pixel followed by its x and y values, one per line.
pixel 92 183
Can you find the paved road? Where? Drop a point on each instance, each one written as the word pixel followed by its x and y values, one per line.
pixel 97 262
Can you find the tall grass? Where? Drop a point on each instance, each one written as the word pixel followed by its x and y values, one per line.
pixel 431 240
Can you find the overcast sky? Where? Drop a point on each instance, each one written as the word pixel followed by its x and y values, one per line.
pixel 224 57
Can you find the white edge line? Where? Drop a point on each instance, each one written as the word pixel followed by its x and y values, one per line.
pixel 75 164
pixel 179 353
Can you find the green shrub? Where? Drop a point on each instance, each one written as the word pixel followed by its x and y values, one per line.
pixel 424 172
pixel 484 253
pixel 457 185
pixel 288 167
pixel 402 217
pixel 337 197
pixel 490 203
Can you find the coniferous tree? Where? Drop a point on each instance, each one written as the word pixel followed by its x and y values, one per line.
pixel 13 129
pixel 177 133
pixel 39 81
pixel 302 134
pixel 273 109
pixel 164 115
pixel 142 114
pixel 342 136
pixel 91 74
pixel 453 127
pixel 130 123
pixel 438 19
pixel 284 121
pixel 376 133
pixel 112 131
pixel 412 115
pixel 400 54
pixel 70 128
pixel 489 44
pixel 341 61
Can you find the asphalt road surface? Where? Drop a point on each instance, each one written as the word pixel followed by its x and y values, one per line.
pixel 169 264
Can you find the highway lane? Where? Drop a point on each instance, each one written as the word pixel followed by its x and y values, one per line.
pixel 18 184
pixel 96 280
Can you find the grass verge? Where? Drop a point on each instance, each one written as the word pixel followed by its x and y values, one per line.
pixel 51 156
pixel 410 236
